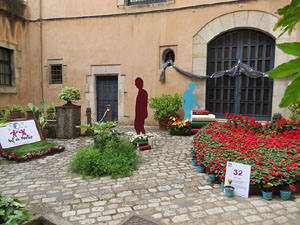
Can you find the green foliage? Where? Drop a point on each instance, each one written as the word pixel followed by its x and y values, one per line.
pixel 39 113
pixel 11 212
pixel 15 107
pixel 70 94
pixel 104 131
pixel 295 110
pixel 116 158
pixel 290 17
pixel 108 156
pixel 31 148
pixel 51 111
pixel 2 123
pixel 165 106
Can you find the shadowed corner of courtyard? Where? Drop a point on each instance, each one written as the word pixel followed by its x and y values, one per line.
pixel 165 189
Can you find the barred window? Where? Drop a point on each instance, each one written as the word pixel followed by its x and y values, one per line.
pixel 139 2
pixel 56 74
pixel 5 66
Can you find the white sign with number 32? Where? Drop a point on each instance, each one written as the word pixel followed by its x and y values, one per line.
pixel 240 176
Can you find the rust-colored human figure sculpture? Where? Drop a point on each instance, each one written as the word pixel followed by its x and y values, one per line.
pixel 141 112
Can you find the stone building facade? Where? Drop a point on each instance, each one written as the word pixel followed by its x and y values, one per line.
pixel 102 46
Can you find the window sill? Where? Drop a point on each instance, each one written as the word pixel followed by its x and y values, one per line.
pixel 8 90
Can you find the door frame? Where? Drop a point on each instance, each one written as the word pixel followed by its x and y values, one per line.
pixel 91 95
pixel 261 21
pixel 243 52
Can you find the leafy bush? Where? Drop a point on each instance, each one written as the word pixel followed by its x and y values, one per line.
pixel 11 212
pixel 115 159
pixel 165 106
pixel 70 94
pixel 108 155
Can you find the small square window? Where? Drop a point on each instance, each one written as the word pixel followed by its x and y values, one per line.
pixel 56 74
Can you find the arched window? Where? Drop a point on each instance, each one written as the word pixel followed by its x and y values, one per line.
pixel 240 94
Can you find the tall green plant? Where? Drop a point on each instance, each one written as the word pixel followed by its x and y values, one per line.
pixel 290 17
pixel 165 106
pixel 37 111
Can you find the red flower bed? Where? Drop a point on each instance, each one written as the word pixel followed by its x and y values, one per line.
pixel 271 150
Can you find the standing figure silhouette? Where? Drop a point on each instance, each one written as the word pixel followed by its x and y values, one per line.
pixel 188 100
pixel 141 112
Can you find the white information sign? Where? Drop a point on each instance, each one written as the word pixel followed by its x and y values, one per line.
pixel 19 133
pixel 240 175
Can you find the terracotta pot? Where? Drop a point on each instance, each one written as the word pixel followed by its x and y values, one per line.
pixel 163 123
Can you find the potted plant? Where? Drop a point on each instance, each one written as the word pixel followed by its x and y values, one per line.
pixel 69 94
pixel 68 116
pixel 51 113
pixel 165 107
pixel 229 189
pixel 200 167
pixel 14 112
pixel 267 191
pixel 37 111
pixel 43 122
pixel 178 127
pixel 211 177
pixel 285 193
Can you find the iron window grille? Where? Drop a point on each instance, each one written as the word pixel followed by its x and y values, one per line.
pixel 140 2
pixel 56 74
pixel 5 67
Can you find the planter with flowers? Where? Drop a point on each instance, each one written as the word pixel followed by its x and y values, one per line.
pixel 272 150
pixel 180 127
pixel 68 116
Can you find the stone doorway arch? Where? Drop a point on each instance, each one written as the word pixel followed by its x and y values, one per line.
pixel 258 20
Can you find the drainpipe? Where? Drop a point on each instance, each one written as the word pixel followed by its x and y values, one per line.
pixel 41 53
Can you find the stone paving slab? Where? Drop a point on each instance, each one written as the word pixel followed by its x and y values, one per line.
pixel 166 189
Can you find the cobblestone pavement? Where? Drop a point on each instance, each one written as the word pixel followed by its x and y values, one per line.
pixel 165 189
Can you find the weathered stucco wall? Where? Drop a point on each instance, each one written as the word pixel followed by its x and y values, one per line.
pixel 128 44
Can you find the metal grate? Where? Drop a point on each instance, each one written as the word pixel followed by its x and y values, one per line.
pixel 56 74
pixel 5 66
pixel 241 94
pixel 139 2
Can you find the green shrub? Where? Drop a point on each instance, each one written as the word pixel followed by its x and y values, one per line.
pixel 11 212
pixel 116 158
pixel 165 106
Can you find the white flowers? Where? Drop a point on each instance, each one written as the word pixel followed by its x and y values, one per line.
pixel 133 137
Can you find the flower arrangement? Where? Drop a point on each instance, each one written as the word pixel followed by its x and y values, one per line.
pixel 273 153
pixel 136 138
pixel 179 127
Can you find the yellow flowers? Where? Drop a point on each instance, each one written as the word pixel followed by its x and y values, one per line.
pixel 269 184
pixel 229 181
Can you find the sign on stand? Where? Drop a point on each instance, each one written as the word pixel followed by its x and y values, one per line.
pixel 240 176
pixel 19 133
